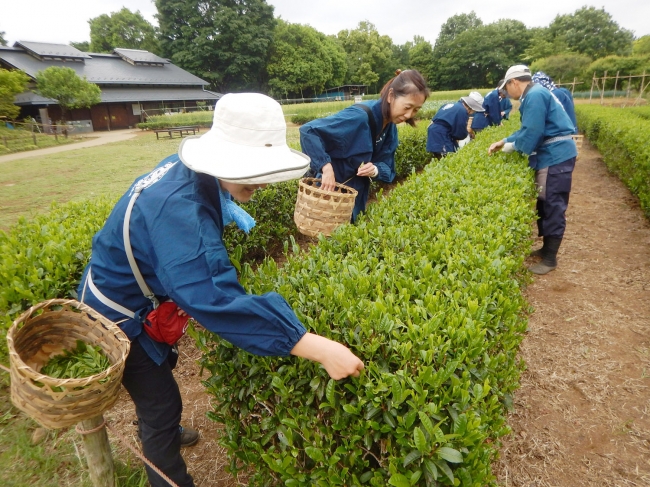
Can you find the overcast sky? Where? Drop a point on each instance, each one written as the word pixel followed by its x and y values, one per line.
pixel 62 21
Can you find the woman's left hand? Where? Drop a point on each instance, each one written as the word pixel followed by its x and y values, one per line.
pixel 367 169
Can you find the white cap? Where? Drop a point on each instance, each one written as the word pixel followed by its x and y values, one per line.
pixel 516 71
pixel 474 100
pixel 247 143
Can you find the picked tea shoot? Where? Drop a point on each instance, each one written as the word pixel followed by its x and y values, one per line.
pixel 83 361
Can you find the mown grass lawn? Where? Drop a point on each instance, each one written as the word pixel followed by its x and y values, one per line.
pixel 30 185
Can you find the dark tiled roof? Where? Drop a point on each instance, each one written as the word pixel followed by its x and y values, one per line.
pixel 44 49
pixel 103 69
pixel 138 56
pixel 130 95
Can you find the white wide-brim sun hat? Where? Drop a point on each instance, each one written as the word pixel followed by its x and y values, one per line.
pixel 474 100
pixel 247 143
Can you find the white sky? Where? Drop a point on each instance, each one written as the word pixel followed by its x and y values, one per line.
pixel 62 21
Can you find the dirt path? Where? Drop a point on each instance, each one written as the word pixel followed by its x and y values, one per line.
pixel 94 139
pixel 582 415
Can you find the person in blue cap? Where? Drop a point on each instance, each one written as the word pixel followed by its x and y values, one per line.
pixel 563 95
pixel 449 124
pixel 491 111
pixel 358 143
pixel 160 257
pixel 545 133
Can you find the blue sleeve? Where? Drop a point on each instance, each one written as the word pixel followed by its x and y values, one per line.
pixel 193 266
pixel 533 121
pixel 459 127
pixel 328 137
pixel 385 158
pixel 567 103
pixel 494 109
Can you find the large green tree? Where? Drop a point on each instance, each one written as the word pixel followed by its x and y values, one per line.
pixel 225 42
pixel 125 29
pixel 592 32
pixel 83 46
pixel 542 44
pixel 12 83
pixel 641 46
pixel 369 55
pixel 564 67
pixel 301 58
pixel 421 58
pixel 67 88
pixel 479 56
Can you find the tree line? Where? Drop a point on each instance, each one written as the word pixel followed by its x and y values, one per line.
pixel 241 46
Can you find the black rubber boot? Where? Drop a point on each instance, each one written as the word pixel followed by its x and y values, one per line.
pixel 549 256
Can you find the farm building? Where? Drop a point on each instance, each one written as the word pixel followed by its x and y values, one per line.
pixel 133 84
pixel 345 92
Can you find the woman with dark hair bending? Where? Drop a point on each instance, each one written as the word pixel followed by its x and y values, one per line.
pixel 358 143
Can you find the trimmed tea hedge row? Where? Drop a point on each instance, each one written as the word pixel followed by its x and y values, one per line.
pixel 426 290
pixel 621 136
pixel 428 110
pixel 202 119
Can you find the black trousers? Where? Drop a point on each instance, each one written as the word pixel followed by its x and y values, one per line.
pixel 554 186
pixel 158 406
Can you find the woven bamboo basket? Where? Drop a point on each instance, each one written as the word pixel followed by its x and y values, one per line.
pixel 319 211
pixel 45 330
pixel 578 140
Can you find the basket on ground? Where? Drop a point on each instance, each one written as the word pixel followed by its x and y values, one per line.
pixel 578 140
pixel 319 211
pixel 45 330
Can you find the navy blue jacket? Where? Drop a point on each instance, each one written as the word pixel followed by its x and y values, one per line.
pixel 448 126
pixel 566 99
pixel 176 232
pixel 492 114
pixel 506 107
pixel 344 140
pixel 543 118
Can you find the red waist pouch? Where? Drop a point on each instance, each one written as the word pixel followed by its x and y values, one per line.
pixel 164 324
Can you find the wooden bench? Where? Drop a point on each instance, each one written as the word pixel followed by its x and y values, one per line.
pixel 177 130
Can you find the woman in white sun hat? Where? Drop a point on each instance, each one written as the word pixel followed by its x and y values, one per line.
pixel 449 124
pixel 160 257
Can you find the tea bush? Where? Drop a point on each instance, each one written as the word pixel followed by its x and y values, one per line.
pixel 202 119
pixel 621 136
pixel 426 289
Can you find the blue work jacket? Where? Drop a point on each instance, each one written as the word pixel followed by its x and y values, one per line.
pixel 344 140
pixel 506 107
pixel 448 126
pixel 176 232
pixel 566 99
pixel 542 119
pixel 492 114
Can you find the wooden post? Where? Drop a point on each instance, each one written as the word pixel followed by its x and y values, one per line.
pixel 602 93
pixel 616 83
pixel 592 86
pixel 641 89
pixel 98 453
pixel 573 86
pixel 629 86
pixel 34 138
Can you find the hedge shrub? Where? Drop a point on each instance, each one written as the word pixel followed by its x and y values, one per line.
pixel 621 136
pixel 426 290
pixel 202 119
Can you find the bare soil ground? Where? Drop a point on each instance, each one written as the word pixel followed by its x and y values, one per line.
pixel 582 414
